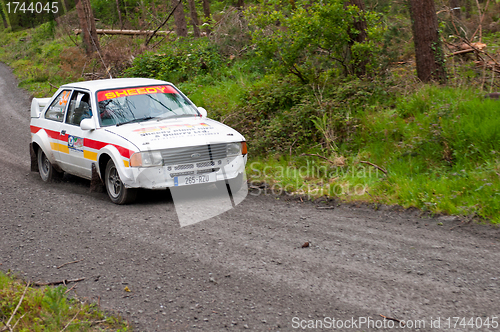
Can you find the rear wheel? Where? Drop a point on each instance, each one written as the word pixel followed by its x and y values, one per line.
pixel 45 167
pixel 117 191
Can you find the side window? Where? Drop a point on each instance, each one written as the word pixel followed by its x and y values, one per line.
pixel 79 108
pixel 56 109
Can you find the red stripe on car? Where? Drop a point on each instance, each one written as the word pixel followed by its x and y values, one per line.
pixel 97 145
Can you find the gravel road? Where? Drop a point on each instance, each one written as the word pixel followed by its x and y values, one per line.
pixel 245 269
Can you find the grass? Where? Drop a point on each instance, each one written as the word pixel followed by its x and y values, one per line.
pixel 439 147
pixel 35 55
pixel 49 309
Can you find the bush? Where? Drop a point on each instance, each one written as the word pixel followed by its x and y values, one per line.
pixel 178 61
pixel 280 113
pixel 309 38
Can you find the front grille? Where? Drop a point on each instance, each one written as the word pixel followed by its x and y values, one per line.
pixel 173 175
pixel 205 164
pixel 181 167
pixel 194 154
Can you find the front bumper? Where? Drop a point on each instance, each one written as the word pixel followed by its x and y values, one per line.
pixel 164 177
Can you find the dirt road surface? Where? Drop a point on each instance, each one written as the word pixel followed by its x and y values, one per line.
pixel 245 269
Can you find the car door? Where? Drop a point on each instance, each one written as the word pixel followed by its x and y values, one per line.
pixel 78 109
pixel 54 116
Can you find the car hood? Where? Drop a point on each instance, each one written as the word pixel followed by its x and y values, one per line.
pixel 172 133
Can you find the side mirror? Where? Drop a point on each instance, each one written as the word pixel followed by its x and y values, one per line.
pixel 87 124
pixel 203 112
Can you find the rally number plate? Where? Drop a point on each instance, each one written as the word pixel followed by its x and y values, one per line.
pixel 193 179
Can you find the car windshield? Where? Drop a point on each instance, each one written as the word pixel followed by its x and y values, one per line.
pixel 122 106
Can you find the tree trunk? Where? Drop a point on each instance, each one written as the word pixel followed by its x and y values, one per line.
pixel 240 4
pixel 194 18
pixel 206 9
pixel 91 20
pixel 143 13
pixel 468 9
pixel 87 23
pixel 119 13
pixel 153 6
pixel 87 43
pixel 5 15
pixel 455 8
pixel 180 19
pixel 4 22
pixel 206 13
pixel 361 36
pixel 65 9
pixel 428 51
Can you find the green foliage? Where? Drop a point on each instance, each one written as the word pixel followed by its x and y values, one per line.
pixel 324 126
pixel 135 14
pixel 440 148
pixel 45 31
pixel 312 38
pixel 178 61
pixel 479 136
pixel 102 10
pixel 270 117
pixel 56 306
pixel 27 14
pixel 279 113
pixel 48 309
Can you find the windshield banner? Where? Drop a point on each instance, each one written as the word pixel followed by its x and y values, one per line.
pixel 110 94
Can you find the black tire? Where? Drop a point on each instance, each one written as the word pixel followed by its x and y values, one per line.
pixel 45 167
pixel 117 191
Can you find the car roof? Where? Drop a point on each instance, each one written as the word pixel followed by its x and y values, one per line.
pixel 115 83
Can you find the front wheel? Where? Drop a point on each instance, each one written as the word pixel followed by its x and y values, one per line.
pixel 117 191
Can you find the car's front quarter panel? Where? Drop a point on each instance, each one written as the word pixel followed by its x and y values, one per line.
pixel 100 146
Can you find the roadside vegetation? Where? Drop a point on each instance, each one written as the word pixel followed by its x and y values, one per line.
pixel 33 309
pixel 324 112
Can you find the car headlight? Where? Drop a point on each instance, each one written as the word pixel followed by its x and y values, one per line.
pixel 146 159
pixel 233 149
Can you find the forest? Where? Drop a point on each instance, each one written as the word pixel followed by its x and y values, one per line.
pixel 363 101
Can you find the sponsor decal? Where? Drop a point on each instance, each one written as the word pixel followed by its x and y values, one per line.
pixel 176 131
pixel 110 94
pixel 64 98
pixel 75 143
pixel 168 127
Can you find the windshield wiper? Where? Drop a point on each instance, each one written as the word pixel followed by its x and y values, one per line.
pixel 159 102
pixel 136 120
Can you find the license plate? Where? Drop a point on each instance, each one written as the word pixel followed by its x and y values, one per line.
pixel 193 179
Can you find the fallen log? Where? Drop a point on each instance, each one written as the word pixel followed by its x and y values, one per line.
pixel 124 32
pixel 470 50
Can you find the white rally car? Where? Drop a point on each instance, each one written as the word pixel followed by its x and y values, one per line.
pixel 132 133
